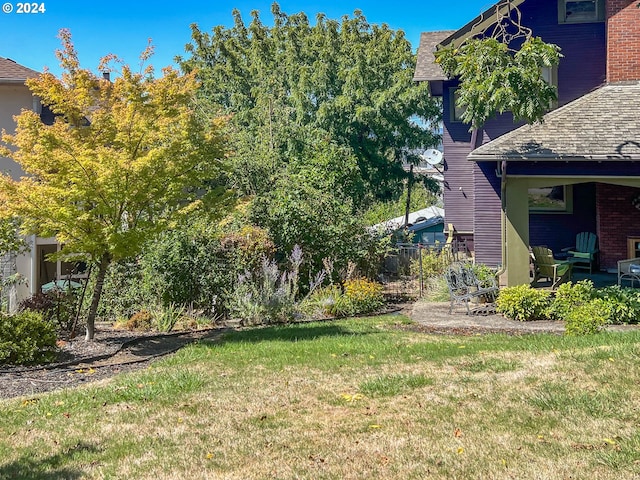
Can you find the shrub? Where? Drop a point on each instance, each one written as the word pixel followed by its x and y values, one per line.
pixel 325 301
pixel 141 321
pixel 125 291
pixel 267 296
pixel 26 338
pixel 485 274
pixel 587 318
pixel 623 304
pixel 434 263
pixel 364 295
pixel 56 306
pixel 569 296
pixel 523 303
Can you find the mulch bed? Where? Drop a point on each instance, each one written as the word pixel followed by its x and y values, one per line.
pixel 81 362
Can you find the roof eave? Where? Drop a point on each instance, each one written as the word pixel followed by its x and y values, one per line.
pixel 479 24
pixel 13 81
pixel 557 158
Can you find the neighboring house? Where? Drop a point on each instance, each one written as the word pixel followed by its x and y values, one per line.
pixel 32 266
pixel 425 225
pixel 509 186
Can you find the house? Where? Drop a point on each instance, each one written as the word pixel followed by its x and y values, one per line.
pixel 426 226
pixel 509 186
pixel 32 266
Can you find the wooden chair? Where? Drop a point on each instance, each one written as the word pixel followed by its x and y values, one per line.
pixel 545 266
pixel 583 254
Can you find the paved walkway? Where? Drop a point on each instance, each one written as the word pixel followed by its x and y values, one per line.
pixel 436 315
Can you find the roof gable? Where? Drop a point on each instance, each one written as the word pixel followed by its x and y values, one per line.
pixel 426 67
pixel 12 72
pixel 601 125
pixel 482 22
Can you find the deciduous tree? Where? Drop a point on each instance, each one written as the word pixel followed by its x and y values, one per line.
pixel 121 161
pixel 500 70
pixel 346 83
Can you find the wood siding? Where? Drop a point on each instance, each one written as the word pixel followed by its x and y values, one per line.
pixel 477 206
pixel 458 186
pixel 559 230
pixel 488 214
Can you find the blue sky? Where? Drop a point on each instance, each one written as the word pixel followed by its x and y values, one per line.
pixel 123 27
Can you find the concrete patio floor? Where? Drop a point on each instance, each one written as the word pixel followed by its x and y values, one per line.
pixel 436 315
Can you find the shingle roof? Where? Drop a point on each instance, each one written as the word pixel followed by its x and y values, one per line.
pixel 426 68
pixel 13 72
pixel 601 125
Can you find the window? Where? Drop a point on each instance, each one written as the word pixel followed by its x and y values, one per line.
pixel 550 75
pixel 455 110
pixel 580 11
pixel 558 199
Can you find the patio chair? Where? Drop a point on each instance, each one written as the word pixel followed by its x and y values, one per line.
pixel 629 270
pixel 466 288
pixel 583 254
pixel 545 266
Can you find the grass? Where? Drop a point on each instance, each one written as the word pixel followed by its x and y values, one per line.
pixel 354 399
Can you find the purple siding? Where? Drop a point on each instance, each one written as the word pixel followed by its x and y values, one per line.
pixel 458 187
pixel 487 237
pixel 557 230
pixel 581 70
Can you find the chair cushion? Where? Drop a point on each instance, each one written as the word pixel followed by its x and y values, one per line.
pixel 634 268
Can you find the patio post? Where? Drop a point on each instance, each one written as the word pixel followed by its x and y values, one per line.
pixel 517 231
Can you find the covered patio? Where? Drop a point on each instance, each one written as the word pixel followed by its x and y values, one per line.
pixel 578 171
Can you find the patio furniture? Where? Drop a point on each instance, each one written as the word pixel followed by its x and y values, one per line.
pixel 629 270
pixel 545 266
pixel 465 288
pixel 583 254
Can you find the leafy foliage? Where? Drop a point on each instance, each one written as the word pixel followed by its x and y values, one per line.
pixel 57 306
pixel 434 263
pixel 494 79
pixel 120 162
pixel 363 295
pixel 268 295
pixel 569 296
pixel 296 88
pixel 623 304
pixel 523 303
pixel 26 338
pixel 587 318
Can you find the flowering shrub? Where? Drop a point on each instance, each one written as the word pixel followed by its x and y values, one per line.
pixel 364 295
pixel 267 296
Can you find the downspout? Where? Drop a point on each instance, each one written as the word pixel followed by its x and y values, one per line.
pixel 503 216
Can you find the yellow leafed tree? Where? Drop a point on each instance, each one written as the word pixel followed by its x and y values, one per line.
pixel 121 161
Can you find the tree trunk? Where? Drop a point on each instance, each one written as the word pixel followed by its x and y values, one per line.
pixel 97 293
pixel 407 210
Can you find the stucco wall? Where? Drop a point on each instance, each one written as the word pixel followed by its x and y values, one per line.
pixel 13 99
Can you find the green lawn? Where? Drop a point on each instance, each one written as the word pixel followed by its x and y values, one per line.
pixel 354 399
